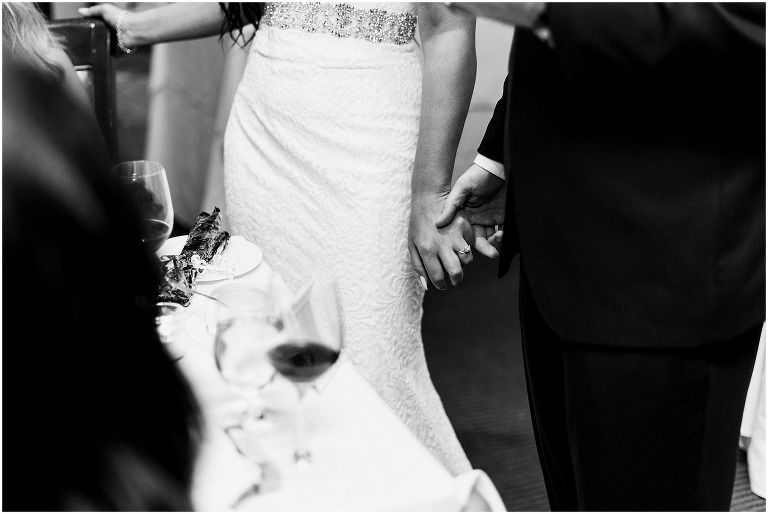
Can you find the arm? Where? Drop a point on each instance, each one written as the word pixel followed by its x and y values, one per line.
pixel 171 22
pixel 615 42
pixel 633 39
pixel 481 190
pixel 448 42
pixel 492 145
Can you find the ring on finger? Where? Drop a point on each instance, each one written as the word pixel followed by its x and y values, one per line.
pixel 464 250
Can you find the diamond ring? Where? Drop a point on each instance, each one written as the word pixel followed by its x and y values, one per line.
pixel 464 250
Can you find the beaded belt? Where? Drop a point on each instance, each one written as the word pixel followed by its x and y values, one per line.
pixel 342 20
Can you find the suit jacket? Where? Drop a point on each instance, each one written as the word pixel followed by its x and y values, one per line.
pixel 635 159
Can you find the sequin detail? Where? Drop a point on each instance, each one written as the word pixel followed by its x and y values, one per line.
pixel 342 20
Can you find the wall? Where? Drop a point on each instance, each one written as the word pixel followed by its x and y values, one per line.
pixel 493 42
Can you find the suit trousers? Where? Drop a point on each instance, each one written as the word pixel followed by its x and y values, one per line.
pixel 635 429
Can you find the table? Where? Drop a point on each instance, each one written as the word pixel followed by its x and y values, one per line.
pixel 364 458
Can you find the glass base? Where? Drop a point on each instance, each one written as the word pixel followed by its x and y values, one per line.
pixel 302 458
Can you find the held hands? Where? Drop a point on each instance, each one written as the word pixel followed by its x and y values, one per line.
pixel 481 197
pixel 438 253
pixel 443 228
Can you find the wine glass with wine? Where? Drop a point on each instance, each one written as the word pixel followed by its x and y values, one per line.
pixel 148 185
pixel 249 322
pixel 311 346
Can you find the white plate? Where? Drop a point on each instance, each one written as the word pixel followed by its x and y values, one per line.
pixel 241 255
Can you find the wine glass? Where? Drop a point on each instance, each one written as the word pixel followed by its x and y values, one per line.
pixel 148 185
pixel 249 322
pixel 311 346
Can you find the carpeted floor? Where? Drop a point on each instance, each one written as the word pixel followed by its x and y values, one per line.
pixel 471 338
pixel 478 371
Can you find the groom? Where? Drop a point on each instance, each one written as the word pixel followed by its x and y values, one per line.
pixel 633 143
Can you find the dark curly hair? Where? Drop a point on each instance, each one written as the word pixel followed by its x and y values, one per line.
pixel 237 16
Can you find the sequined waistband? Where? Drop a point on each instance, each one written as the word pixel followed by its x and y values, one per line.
pixel 342 20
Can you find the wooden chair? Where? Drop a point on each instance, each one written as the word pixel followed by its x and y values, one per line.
pixel 92 47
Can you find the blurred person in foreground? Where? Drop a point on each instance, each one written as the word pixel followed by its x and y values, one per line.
pixel 27 38
pixel 96 414
pixel 633 144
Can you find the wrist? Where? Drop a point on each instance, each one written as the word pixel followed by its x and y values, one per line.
pixel 427 204
pixel 490 166
pixel 124 40
pixel 426 187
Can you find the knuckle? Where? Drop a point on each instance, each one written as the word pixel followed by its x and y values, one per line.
pixel 424 245
pixel 440 283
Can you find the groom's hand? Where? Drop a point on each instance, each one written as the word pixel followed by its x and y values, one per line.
pixel 482 196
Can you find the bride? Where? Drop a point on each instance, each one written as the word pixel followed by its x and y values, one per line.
pixel 338 155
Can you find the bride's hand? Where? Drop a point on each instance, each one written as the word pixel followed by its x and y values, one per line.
pixel 108 12
pixel 437 252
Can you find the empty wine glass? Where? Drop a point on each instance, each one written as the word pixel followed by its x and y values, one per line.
pixel 311 346
pixel 148 185
pixel 249 322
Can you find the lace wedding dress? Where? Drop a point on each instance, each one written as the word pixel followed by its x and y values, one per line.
pixel 319 153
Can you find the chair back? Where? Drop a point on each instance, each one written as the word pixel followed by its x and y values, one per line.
pixel 91 46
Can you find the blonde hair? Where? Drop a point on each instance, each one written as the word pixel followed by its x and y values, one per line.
pixel 26 36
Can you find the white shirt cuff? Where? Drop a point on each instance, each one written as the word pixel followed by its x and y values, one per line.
pixel 491 166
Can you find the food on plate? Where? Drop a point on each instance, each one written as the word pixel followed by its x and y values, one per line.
pixel 205 243
pixel 206 238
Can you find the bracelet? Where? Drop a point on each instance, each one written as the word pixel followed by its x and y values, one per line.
pixel 119 28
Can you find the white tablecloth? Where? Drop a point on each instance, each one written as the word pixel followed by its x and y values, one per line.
pixel 364 458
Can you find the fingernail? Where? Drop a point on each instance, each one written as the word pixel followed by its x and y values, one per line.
pixel 423 282
pixel 82 10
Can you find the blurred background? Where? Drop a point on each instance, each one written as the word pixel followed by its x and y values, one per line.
pixel 173 101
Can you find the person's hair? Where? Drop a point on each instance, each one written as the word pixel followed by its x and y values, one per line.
pixel 97 416
pixel 26 36
pixel 234 14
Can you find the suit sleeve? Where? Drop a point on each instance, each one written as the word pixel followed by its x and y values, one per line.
pixel 624 41
pixel 492 145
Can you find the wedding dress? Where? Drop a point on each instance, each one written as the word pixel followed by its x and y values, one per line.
pixel 319 152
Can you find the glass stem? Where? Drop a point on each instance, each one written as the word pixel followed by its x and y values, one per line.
pixel 253 409
pixel 302 455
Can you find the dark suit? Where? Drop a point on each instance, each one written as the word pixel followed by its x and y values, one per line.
pixel 635 157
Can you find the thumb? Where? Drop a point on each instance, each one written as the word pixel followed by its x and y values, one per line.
pixel 453 203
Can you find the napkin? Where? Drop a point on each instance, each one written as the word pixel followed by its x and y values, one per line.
pixel 206 240
pixel 476 492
